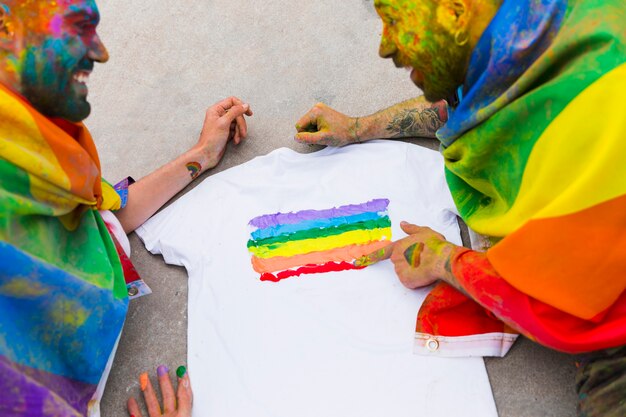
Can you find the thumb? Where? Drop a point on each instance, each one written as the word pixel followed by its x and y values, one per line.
pixel 409 228
pixel 308 137
pixel 236 111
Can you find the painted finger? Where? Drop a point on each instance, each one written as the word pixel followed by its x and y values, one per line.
pixel 167 390
pixel 309 138
pixel 410 228
pixel 152 404
pixel 184 393
pixel 376 256
pixel 133 408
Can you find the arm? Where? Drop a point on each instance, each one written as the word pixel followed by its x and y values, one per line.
pixel 424 257
pixel 224 121
pixel 412 118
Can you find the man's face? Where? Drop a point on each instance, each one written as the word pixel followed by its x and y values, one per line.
pixel 415 37
pixel 57 54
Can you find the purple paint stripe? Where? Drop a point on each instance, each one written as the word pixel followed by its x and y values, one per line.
pixel 38 393
pixel 272 220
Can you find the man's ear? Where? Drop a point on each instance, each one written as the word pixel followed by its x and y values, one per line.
pixel 454 15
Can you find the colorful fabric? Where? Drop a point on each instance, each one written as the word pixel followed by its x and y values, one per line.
pixel 62 292
pixel 534 159
pixel 601 383
pixel 122 189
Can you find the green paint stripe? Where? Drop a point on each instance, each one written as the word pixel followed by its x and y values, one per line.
pixel 380 223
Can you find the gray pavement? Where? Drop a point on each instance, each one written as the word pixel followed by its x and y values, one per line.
pixel 169 61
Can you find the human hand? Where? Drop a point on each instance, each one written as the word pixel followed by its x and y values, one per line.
pixel 170 406
pixel 224 121
pixel 419 259
pixel 324 126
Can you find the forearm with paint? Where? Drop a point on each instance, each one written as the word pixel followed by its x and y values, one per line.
pixel 412 118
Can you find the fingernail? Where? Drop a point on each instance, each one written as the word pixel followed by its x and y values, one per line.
pixel 186 382
pixel 162 370
pixel 143 381
pixel 246 106
pixel 403 223
pixel 181 371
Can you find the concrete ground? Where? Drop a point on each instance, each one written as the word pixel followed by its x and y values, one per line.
pixel 169 61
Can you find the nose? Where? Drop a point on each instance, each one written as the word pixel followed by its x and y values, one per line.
pixel 387 48
pixel 98 52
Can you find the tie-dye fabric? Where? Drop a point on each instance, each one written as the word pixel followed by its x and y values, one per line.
pixel 62 292
pixel 535 159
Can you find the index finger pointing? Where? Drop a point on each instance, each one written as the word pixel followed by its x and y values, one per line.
pixel 376 256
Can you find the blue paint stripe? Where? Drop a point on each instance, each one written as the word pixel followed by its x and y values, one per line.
pixel 313 224
pixel 53 321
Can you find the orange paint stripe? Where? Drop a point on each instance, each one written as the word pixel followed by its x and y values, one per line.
pixel 342 254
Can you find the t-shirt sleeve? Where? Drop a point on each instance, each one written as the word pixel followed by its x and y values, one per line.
pixel 175 232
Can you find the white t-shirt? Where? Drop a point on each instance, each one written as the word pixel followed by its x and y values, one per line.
pixel 333 344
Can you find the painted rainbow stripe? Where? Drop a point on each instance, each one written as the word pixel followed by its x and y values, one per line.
pixel 284 245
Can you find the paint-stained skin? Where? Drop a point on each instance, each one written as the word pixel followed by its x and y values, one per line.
pixel 419 35
pixel 412 254
pixel 54 53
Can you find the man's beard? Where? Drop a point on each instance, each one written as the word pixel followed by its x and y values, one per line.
pixel 52 91
pixel 443 80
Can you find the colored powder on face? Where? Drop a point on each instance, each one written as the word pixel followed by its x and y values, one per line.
pixel 55 25
pixel 286 245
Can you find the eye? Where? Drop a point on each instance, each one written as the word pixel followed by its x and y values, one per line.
pixel 83 27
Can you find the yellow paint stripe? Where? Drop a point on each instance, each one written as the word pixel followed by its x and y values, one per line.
pixel 577 163
pixel 299 247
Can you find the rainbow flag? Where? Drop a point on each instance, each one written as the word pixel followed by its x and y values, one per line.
pixel 285 245
pixel 63 296
pixel 534 157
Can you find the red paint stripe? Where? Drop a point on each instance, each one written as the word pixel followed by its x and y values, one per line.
pixel 310 269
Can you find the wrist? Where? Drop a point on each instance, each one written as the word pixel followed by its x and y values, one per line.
pixel 197 156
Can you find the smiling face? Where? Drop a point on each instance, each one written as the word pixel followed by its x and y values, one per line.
pixel 420 35
pixel 54 53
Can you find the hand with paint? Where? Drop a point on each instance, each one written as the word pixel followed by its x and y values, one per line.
pixel 419 259
pixel 323 125
pixel 224 121
pixel 174 405
pixel 412 118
